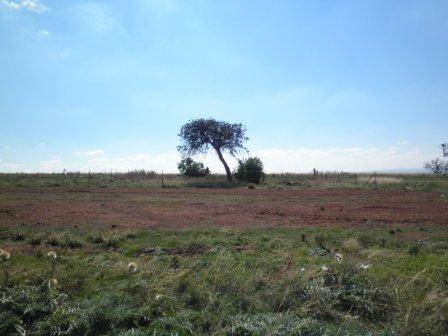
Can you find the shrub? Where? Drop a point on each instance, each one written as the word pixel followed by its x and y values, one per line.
pixel 36 239
pixel 437 166
pixel 250 170
pixel 97 239
pixel 413 250
pixel 19 236
pixel 22 307
pixel 113 241
pixel 55 240
pixel 72 242
pixel 189 167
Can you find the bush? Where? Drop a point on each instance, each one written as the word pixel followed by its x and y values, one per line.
pixel 23 307
pixel 250 170
pixel 437 166
pixel 189 167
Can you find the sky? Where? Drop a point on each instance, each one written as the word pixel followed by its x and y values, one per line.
pixel 332 85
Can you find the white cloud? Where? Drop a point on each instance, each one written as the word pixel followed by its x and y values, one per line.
pixel 31 5
pixel 165 161
pixel 97 17
pixel 34 5
pixel 63 54
pixel 51 165
pixel 92 153
pixel 340 159
pixel 11 5
pixel 43 34
pixel 9 167
pixel 403 142
pixel 274 159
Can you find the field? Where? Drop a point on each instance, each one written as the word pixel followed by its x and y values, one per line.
pixel 299 255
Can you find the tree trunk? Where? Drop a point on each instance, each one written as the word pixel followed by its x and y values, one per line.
pixel 226 167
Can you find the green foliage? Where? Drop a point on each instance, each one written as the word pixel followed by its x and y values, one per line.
pixel 189 167
pixel 199 135
pixel 414 249
pixel 23 307
pixel 36 240
pixel 414 182
pixel 250 170
pixel 228 282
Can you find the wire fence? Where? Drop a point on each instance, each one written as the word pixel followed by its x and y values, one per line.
pixel 152 179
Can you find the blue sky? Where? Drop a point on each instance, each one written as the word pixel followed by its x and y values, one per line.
pixel 335 85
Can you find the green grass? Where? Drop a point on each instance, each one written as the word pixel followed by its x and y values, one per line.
pixel 225 282
pixel 420 182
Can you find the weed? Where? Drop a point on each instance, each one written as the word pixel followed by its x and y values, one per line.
pixel 196 282
pixel 36 240
pixel 19 236
pixel 413 250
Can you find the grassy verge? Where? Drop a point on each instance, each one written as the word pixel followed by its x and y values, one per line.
pixel 416 182
pixel 224 282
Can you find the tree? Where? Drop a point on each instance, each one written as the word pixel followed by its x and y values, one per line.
pixel 250 170
pixel 189 167
pixel 437 166
pixel 197 136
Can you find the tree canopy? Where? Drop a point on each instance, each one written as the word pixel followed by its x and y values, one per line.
pixel 199 135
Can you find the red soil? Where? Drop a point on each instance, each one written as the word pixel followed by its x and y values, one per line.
pixel 188 208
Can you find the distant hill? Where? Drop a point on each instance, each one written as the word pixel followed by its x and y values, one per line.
pixel 403 171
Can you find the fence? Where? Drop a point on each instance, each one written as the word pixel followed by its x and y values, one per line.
pixel 152 179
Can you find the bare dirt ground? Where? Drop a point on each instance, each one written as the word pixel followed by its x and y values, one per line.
pixel 188 208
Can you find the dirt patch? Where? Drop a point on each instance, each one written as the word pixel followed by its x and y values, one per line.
pixel 242 208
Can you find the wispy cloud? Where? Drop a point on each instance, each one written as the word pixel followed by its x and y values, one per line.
pixel 31 5
pixel 9 167
pixel 162 5
pixel 165 161
pixel 43 34
pixel 274 160
pixel 52 165
pixel 97 17
pixel 341 159
pixel 91 153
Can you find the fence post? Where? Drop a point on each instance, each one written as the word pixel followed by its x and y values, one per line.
pixel 163 186
pixel 89 180
pixel 355 178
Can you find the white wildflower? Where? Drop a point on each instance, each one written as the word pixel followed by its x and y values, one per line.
pixel 338 257
pixel 326 268
pixel 132 266
pixel 4 255
pixel 364 266
pixel 52 255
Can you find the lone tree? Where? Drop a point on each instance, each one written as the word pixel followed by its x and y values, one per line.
pixel 439 165
pixel 197 136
